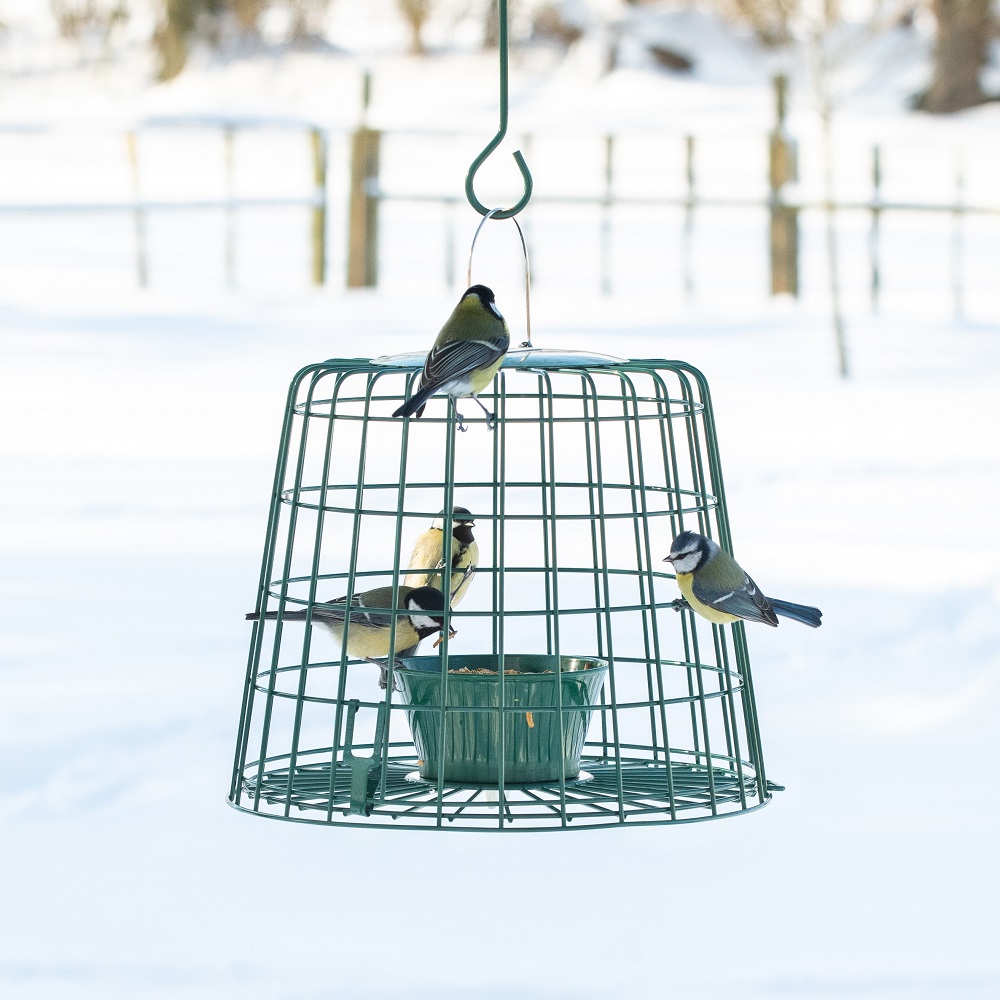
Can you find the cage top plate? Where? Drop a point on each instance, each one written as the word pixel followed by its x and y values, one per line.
pixel 526 357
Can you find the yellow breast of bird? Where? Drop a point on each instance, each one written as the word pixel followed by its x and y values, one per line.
pixel 686 583
pixel 426 557
pixel 480 380
pixel 368 643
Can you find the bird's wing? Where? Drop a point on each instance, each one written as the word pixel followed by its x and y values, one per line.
pixel 333 611
pixel 459 357
pixel 745 601
pixel 460 588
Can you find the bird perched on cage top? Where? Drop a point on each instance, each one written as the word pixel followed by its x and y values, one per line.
pixel 368 635
pixel 714 584
pixel 427 559
pixel 466 356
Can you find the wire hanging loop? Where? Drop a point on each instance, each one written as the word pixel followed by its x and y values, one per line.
pixel 495 213
pixel 470 177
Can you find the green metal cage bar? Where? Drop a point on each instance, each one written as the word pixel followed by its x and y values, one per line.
pixel 595 464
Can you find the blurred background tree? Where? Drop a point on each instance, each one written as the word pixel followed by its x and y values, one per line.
pixel 90 23
pixel 770 20
pixel 247 14
pixel 964 31
pixel 307 18
pixel 179 20
pixel 553 22
pixel 233 22
pixel 415 13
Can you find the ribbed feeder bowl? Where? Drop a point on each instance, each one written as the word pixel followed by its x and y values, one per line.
pixel 533 750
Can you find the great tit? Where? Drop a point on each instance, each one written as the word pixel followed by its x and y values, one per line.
pixel 427 559
pixel 714 584
pixel 466 356
pixel 371 618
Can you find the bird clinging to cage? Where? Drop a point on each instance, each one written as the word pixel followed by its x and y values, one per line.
pixel 426 565
pixel 466 356
pixel 715 585
pixel 368 635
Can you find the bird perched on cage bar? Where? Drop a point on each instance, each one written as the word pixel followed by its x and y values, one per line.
pixel 426 565
pixel 465 357
pixel 368 635
pixel 717 588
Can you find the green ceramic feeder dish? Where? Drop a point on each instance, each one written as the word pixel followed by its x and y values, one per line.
pixel 534 750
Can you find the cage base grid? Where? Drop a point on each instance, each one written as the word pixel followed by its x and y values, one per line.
pixel 591 799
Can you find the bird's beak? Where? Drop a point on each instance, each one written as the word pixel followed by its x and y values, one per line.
pixel 668 559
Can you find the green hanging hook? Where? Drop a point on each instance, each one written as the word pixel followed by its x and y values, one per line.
pixel 506 213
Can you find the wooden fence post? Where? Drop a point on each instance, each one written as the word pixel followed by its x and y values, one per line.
pixel 607 202
pixel 782 169
pixel 319 154
pixel 687 248
pixel 228 145
pixel 138 213
pixel 957 249
pixel 873 233
pixel 362 218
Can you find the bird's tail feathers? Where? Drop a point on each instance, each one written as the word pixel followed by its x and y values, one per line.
pixel 288 616
pixel 797 612
pixel 415 404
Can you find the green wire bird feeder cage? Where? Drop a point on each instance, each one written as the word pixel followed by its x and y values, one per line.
pixel 572 693
pixel 611 707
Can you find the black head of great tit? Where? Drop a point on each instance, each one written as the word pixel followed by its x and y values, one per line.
pixel 466 356
pixel 368 635
pixel 714 584
pixel 427 559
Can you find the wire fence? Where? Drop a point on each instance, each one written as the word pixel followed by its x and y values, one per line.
pixel 288 204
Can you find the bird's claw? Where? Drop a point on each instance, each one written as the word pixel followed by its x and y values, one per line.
pixel 680 605
pixel 461 422
pixel 491 421
pixel 383 679
pixel 383 673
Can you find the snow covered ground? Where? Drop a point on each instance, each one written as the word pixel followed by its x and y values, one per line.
pixel 138 441
pixel 137 435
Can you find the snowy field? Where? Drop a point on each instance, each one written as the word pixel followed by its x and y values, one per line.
pixel 138 440
pixel 138 434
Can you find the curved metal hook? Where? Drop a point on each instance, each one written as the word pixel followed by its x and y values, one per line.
pixel 505 213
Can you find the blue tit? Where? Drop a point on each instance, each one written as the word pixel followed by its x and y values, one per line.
pixel 714 584
pixel 427 559
pixel 371 620
pixel 466 356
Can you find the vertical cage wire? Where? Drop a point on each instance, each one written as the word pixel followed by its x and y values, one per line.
pixel 573 694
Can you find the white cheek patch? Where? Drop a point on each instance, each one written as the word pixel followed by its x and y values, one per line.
pixel 421 622
pixel 687 562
